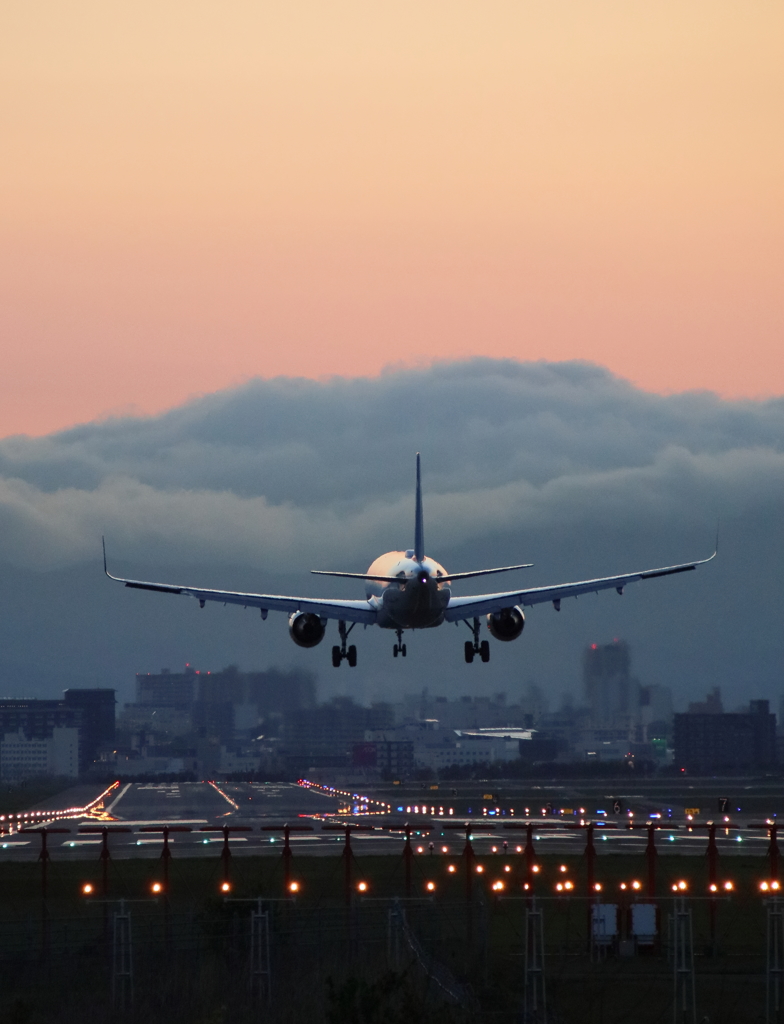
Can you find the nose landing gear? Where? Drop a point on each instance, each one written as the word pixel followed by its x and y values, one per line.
pixel 474 647
pixel 400 647
pixel 341 652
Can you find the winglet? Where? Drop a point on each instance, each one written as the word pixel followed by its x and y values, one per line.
pixel 103 542
pixel 419 530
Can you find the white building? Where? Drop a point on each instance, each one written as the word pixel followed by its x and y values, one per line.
pixel 23 758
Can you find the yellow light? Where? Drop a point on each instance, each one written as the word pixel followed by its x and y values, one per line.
pixel 293 886
pixel 498 886
pixel 444 849
pixel 713 887
pixel 526 886
pixel 764 886
pixel 225 886
pixel 362 886
pixel 495 849
pixel 519 849
pixel 156 887
pixel 559 887
pixel 674 887
pixel 87 889
pixel 774 886
pixel 451 869
pixel 479 869
pixel 597 886
pixel 636 885
pixel 562 868
pixel 568 886
pixel 431 886
pixel 682 886
pixel 623 885
pixel 729 886
pixel 507 867
pixel 420 849
pixel 536 869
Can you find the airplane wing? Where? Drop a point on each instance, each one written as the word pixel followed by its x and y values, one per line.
pixel 349 611
pixel 470 607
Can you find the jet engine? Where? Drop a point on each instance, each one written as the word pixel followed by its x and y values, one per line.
pixel 306 629
pixel 507 624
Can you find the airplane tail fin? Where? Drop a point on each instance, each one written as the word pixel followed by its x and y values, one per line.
pixel 419 529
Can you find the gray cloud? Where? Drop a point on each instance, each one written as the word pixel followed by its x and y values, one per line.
pixel 563 463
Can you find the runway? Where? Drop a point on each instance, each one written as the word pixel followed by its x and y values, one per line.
pixel 197 813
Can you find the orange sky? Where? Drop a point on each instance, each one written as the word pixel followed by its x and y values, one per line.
pixel 195 193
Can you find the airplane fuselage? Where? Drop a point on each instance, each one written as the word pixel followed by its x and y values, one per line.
pixel 417 601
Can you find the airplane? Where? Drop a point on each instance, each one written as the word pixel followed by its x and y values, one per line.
pixel 406 590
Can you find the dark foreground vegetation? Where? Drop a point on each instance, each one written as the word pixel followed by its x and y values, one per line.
pixel 381 959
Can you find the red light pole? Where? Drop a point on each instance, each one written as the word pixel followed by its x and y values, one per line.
pixel 44 858
pixel 287 851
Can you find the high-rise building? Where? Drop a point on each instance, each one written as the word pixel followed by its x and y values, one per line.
pixel 713 741
pixel 610 692
pixel 95 709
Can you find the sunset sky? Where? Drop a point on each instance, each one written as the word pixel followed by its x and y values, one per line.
pixel 194 194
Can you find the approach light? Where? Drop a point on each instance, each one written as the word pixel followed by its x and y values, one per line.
pixel 507 867
pixel 293 886
pixel 636 885
pixel 494 849
pixel 568 886
pixel 536 869
pixel 88 889
pixel 729 886
pixel 480 869
pixel 775 886
pixel 597 887
pixel 682 886
pixel 713 887
pixel 623 885
pixel 518 849
pixel 225 887
pixel 362 886
pixel 764 886
pixel 497 886
pixel 156 887
pixel 559 887
pixel 562 869
pixel 420 849
pixel 451 869
pixel 431 886
pixel 444 849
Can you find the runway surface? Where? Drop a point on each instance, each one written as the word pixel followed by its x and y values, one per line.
pixel 197 813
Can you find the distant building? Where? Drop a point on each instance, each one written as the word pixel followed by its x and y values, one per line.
pixel 95 710
pixel 325 736
pixel 91 712
pixel 23 757
pixel 712 704
pixel 610 692
pixel 716 742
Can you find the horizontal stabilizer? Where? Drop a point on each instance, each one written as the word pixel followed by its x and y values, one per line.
pixel 397 579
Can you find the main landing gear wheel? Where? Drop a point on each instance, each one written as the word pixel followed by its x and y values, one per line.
pixel 399 647
pixel 474 647
pixel 341 652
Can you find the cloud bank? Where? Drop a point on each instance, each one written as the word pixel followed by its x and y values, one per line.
pixel 563 463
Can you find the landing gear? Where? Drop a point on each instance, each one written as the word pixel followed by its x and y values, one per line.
pixel 474 647
pixel 400 647
pixel 341 652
